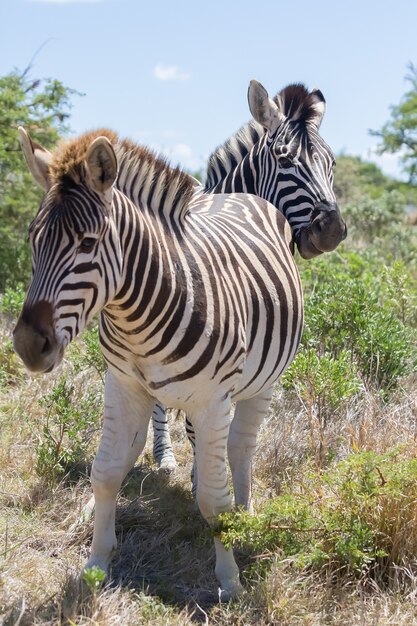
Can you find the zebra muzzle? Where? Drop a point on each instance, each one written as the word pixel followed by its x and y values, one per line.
pixel 34 338
pixel 324 233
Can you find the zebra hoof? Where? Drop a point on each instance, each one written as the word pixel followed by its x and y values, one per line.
pixel 167 467
pixel 233 592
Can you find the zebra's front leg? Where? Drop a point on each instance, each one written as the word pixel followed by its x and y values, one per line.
pixel 213 493
pixel 241 445
pixel 162 445
pixel 126 417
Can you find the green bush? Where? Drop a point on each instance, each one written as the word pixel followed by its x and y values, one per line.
pixel 11 301
pixel 323 381
pixel 370 217
pixel 358 516
pixel 87 352
pixel 69 425
pixel 350 315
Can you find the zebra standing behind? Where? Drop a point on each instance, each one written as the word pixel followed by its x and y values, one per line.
pixel 281 157
pixel 200 301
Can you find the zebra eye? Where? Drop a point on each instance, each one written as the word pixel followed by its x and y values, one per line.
pixel 285 162
pixel 87 244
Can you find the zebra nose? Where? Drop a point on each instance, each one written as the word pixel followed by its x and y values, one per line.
pixel 33 338
pixel 328 228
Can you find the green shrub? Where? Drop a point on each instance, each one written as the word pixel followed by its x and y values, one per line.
pixel 400 292
pixel 69 425
pixel 359 516
pixel 11 301
pixel 349 310
pixel 87 352
pixel 323 381
pixel 370 217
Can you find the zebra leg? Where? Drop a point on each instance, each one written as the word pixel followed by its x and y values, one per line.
pixel 213 493
pixel 241 444
pixel 126 418
pixel 191 438
pixel 162 446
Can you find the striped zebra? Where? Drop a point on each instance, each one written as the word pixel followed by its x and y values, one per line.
pixel 200 306
pixel 281 157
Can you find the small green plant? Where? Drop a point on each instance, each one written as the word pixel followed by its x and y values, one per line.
pixel 87 352
pixel 94 577
pixel 68 429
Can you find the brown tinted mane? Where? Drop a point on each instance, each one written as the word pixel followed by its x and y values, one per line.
pixel 69 156
pixel 68 164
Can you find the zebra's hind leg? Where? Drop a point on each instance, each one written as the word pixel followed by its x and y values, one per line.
pixel 213 492
pixel 241 444
pixel 162 445
pixel 191 438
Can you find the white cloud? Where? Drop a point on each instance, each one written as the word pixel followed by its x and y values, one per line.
pixel 169 72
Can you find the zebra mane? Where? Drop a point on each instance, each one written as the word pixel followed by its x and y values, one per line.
pixel 228 155
pixel 298 104
pixel 294 101
pixel 141 173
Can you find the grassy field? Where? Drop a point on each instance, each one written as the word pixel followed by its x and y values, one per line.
pixel 163 570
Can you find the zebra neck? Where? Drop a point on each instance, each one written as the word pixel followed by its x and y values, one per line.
pixel 150 252
pixel 242 178
pixel 227 157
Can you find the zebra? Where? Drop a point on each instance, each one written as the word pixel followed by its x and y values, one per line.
pixel 200 306
pixel 281 157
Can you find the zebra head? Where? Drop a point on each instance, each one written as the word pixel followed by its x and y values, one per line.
pixel 76 257
pixel 295 166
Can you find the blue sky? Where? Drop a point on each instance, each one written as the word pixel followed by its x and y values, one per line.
pixel 174 74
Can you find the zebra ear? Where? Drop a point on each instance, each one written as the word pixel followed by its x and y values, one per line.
pixel 263 109
pixel 101 164
pixel 319 106
pixel 37 158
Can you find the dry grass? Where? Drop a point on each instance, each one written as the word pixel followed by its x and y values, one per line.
pixel 163 570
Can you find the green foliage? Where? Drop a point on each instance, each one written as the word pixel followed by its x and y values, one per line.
pixel 358 516
pixel 370 217
pixel 399 134
pixel 11 301
pixel 87 352
pixel 350 316
pixel 11 370
pixel 69 425
pixel 323 381
pixel 400 292
pixel 355 178
pixel 94 577
pixel 41 106
pixel 10 367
